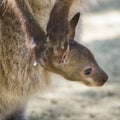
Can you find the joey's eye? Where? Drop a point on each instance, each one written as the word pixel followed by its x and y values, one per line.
pixel 88 71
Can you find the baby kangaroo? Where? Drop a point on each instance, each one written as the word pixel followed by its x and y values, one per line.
pixel 80 65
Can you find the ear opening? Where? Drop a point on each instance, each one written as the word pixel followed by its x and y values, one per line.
pixel 73 23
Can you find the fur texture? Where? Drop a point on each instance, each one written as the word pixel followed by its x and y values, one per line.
pixel 19 79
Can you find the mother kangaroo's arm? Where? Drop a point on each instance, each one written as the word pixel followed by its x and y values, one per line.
pixel 35 36
pixel 58 25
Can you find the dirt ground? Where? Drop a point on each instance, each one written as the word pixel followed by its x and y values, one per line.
pixel 73 101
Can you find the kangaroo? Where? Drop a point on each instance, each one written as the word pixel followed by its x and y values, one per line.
pixel 20 77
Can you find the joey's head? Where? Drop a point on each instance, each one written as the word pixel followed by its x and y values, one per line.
pixel 80 66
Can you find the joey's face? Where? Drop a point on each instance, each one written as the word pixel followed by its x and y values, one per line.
pixel 81 66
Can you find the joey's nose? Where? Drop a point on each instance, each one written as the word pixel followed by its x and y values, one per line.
pixel 105 78
pixel 102 80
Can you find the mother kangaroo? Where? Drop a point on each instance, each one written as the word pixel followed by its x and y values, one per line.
pixel 35 33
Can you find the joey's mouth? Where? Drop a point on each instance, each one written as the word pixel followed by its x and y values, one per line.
pixel 92 83
pixel 89 82
pixel 95 84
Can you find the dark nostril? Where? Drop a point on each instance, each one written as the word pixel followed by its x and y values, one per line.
pixel 88 71
pixel 105 78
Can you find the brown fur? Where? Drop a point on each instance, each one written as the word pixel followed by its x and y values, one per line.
pixel 57 34
pixel 19 78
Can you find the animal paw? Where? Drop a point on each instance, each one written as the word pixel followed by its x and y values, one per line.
pixel 57 34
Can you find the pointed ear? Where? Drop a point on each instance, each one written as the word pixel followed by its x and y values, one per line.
pixel 73 23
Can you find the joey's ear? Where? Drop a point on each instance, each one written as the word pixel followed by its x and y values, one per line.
pixel 73 23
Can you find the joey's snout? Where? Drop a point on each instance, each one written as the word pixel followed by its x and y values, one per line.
pixel 101 78
pixel 95 76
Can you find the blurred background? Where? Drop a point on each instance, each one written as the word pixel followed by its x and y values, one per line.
pixel 73 101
